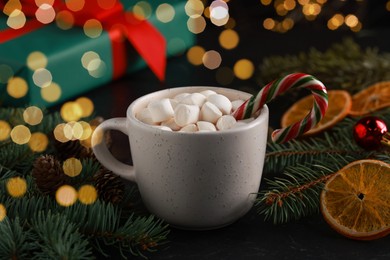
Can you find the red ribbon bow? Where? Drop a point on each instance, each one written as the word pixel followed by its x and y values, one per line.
pixel 145 39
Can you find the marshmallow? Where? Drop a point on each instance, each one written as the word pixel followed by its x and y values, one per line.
pixel 226 122
pixel 194 99
pixel 186 114
pixel 166 128
pixel 222 102
pixel 210 112
pixel 191 128
pixel 207 92
pixel 236 104
pixel 174 103
pixel 180 96
pixel 145 116
pixel 171 124
pixel 161 110
pixel 204 126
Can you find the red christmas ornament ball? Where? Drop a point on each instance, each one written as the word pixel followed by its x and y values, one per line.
pixel 368 132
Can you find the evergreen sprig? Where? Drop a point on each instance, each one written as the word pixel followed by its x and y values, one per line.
pixel 303 166
pixel 37 227
pixel 344 65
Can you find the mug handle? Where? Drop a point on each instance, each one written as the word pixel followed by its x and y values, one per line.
pixel 102 153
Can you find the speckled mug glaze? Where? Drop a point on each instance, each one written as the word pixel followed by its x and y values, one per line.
pixel 200 181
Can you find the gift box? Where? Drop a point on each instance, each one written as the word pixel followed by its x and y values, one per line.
pixel 43 64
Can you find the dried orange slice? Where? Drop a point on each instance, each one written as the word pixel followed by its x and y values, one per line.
pixel 340 103
pixel 356 200
pixel 371 99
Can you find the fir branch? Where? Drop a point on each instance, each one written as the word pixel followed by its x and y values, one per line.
pixel 103 223
pixel 58 238
pixel 16 157
pixel 13 115
pixel 15 241
pixel 280 156
pixel 89 167
pixel 344 65
pixel 296 194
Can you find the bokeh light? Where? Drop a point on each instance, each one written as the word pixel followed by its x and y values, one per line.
pixel 351 20
pixel 86 130
pixel 75 5
pixel 86 105
pixel 388 6
pixel 87 194
pixel 224 76
pixel 229 39
pixel 6 73
pixel 269 23
pixel 73 130
pixel 206 12
pixel 45 13
pixel 42 77
pixel 38 142
pixel 59 133
pixel 17 87
pixel 93 28
pixel 71 111
pixel 20 134
pixel 107 4
pixel 195 55
pixel 11 5
pixel 3 212
pixel 219 12
pixel 52 92
pixel 357 28
pixel 212 59
pixel 16 187
pixel 16 19
pixel 289 4
pixel 142 10
pixel 5 130
pixel 165 13
pixel 32 115
pixel 196 25
pixel 36 60
pixel 312 9
pixel 97 68
pixel 266 2
pixel 88 57
pixel 243 69
pixel 231 23
pixel 194 8
pixel 41 2
pixel 66 196
pixel 72 167
pixel 287 24
pixel 65 20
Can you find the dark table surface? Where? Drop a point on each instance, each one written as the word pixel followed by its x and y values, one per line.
pixel 250 237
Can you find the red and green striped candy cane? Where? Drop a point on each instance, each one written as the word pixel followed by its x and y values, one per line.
pixel 279 86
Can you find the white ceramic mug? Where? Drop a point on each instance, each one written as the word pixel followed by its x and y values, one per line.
pixel 201 180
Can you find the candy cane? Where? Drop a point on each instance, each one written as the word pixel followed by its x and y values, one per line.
pixel 279 86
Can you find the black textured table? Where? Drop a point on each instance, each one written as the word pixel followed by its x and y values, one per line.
pixel 250 237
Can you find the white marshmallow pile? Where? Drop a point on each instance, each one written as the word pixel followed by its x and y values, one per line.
pixel 192 112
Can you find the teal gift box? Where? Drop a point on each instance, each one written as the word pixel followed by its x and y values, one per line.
pixel 55 65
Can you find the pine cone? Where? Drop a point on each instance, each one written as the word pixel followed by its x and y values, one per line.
pixel 71 149
pixel 48 174
pixel 109 186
